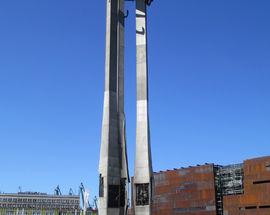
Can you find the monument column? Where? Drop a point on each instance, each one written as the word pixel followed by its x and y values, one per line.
pixel 142 186
pixel 113 165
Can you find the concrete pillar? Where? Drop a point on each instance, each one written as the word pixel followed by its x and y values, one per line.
pixel 113 160
pixel 121 111
pixel 142 186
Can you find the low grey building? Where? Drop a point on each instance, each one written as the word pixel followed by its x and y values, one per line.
pixel 33 203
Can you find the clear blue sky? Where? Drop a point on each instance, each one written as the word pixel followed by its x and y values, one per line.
pixel 209 87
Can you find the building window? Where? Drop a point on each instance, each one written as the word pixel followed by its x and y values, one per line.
pixel 262 182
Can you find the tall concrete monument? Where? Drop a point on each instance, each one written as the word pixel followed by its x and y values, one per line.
pixel 113 166
pixel 142 185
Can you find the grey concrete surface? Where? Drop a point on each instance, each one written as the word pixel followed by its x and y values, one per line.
pixel 113 159
pixel 143 161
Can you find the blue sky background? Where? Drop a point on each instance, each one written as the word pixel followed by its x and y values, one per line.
pixel 209 87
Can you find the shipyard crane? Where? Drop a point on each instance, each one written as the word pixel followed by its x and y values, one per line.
pixel 57 191
pixel 71 193
pixel 95 203
pixel 85 198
